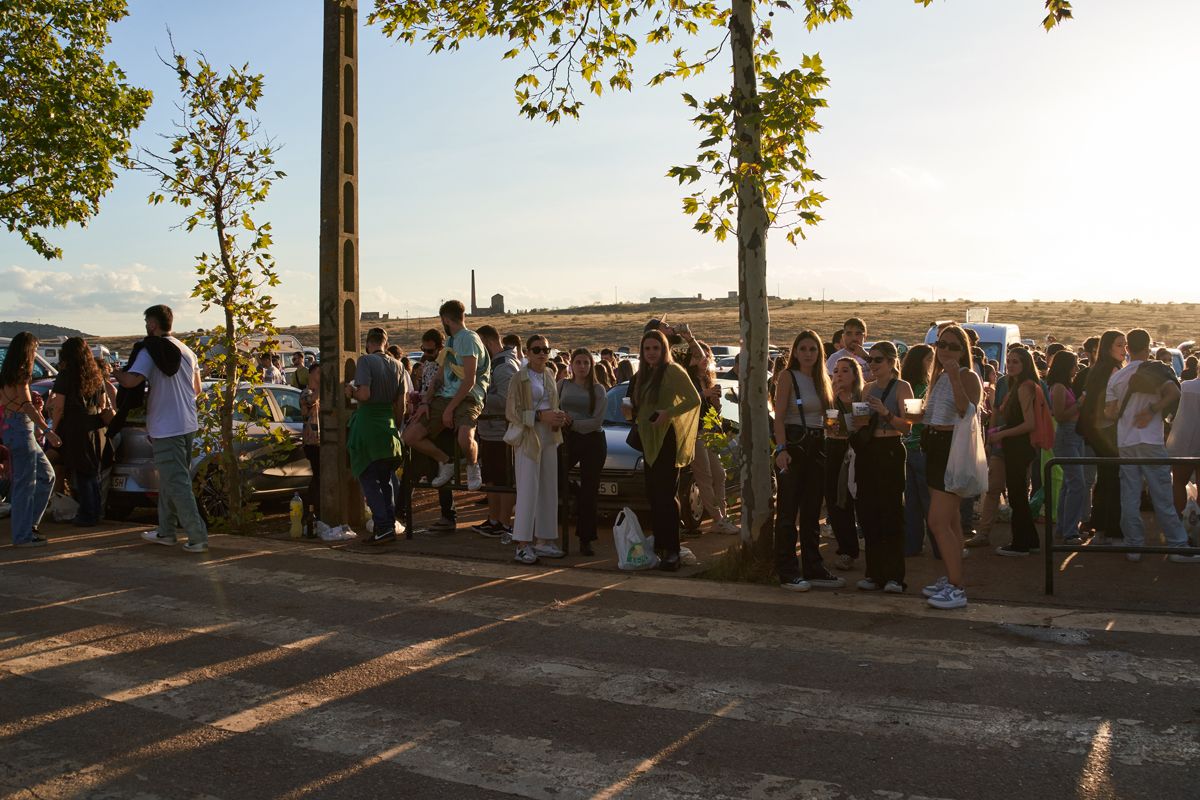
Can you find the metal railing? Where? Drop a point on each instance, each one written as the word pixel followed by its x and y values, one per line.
pixel 1050 547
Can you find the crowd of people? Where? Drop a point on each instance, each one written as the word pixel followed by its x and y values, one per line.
pixel 863 439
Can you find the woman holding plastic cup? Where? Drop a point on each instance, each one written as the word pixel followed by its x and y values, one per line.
pixel 918 362
pixel 956 392
pixel 802 395
pixel 839 505
pixel 880 471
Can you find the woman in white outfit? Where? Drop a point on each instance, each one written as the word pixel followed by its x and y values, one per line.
pixel 534 432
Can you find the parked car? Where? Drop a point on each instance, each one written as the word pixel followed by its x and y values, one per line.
pixel 622 482
pixel 43 372
pixel 273 472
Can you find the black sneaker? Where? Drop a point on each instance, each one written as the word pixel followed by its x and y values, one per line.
pixel 488 528
pixel 381 538
pixel 823 580
pixel 36 541
pixel 1012 551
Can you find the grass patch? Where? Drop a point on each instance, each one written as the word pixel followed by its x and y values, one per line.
pixel 741 565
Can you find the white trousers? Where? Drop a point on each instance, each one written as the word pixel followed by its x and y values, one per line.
pixel 537 491
pixel 709 474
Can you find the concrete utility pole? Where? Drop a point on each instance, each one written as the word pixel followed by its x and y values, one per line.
pixel 339 312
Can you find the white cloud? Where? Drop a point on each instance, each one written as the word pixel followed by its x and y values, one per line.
pixel 917 178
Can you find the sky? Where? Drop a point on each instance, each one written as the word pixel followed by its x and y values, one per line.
pixel 966 153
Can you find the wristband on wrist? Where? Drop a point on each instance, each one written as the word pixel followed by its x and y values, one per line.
pixel 780 448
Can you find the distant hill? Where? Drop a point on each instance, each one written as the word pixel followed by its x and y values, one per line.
pixel 10 329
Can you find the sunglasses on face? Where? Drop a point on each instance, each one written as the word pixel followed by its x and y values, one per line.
pixel 953 347
pixel 539 351
pixel 876 359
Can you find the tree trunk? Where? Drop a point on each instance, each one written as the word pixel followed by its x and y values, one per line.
pixel 753 313
pixel 231 475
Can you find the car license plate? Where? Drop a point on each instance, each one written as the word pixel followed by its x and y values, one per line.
pixel 118 482
pixel 608 488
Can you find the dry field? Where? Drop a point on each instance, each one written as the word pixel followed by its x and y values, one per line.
pixel 716 321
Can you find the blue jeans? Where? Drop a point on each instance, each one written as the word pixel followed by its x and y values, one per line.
pixel 381 490
pixel 1158 484
pixel 916 504
pixel 32 476
pixel 86 489
pixel 1073 499
pixel 176 502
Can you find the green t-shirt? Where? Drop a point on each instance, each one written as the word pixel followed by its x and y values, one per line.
pixel 465 344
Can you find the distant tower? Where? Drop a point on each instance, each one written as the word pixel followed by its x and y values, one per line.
pixel 474 307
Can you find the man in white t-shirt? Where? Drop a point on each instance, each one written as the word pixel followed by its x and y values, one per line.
pixel 1140 435
pixel 853 334
pixel 172 375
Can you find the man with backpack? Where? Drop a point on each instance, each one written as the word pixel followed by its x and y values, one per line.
pixel 1138 397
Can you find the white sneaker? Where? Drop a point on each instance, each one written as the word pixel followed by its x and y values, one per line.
pixel 445 474
pixel 548 550
pixel 949 597
pixel 1179 558
pixel 525 555
pixel 198 547
pixel 727 527
pixel 894 587
pixel 474 477
pixel 157 538
pixel 936 587
pixel 868 585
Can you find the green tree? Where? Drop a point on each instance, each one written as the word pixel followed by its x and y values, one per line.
pixel 219 168
pixel 65 114
pixel 752 160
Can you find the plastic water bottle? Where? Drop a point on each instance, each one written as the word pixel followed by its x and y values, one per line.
pixel 297 515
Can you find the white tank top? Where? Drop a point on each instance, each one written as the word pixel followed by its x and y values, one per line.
pixel 939 406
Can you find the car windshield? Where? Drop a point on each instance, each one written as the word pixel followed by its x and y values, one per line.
pixel 39 371
pixel 991 350
pixel 612 408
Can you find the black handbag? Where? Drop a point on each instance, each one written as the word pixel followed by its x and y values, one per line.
pixel 634 439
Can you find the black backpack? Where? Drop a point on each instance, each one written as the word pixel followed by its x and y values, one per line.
pixel 1149 378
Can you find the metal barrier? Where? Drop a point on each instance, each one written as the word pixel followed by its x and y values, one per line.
pixel 1050 548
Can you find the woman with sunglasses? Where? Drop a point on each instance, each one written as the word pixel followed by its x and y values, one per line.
pixel 583 400
pixel 534 432
pixel 32 477
pixel 880 471
pixel 1016 420
pixel 847 384
pixel 666 408
pixel 802 395
pixel 956 392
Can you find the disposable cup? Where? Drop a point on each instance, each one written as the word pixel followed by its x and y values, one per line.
pixel 914 407
pixel 862 409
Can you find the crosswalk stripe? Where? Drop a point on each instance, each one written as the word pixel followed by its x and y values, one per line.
pixel 1081 665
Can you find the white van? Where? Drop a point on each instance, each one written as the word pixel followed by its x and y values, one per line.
pixel 994 338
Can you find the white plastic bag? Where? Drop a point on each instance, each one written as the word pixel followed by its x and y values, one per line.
pixel 687 557
pixel 635 550
pixel 966 469
pixel 62 507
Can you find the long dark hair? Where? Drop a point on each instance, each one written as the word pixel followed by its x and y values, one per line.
pixel 964 358
pixel 591 377
pixel 914 372
pixel 625 372
pixel 649 379
pixel 700 375
pixel 1062 368
pixel 820 377
pixel 1029 372
pixel 77 364
pixel 18 360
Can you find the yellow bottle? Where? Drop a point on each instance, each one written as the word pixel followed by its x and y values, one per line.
pixel 297 515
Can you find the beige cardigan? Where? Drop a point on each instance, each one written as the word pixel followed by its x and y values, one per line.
pixel 520 413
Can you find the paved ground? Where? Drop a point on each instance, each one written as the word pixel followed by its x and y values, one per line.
pixel 274 669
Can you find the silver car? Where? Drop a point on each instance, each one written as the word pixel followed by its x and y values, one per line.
pixel 271 473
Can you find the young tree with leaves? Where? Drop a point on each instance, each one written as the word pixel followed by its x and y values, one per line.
pixel 219 168
pixel 65 114
pixel 753 157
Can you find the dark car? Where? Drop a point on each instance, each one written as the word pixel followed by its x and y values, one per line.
pixel 273 471
pixel 622 481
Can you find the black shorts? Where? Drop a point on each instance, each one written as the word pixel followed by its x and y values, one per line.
pixel 936 445
pixel 495 461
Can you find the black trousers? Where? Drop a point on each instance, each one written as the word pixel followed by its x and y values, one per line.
pixel 1106 497
pixel 662 488
pixel 879 473
pixel 798 510
pixel 842 520
pixel 588 450
pixel 1018 455
pixel 313 453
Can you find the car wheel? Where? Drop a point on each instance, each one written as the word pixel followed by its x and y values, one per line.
pixel 118 508
pixel 691 508
pixel 211 499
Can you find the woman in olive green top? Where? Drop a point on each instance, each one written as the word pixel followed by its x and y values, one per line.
pixel 665 407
